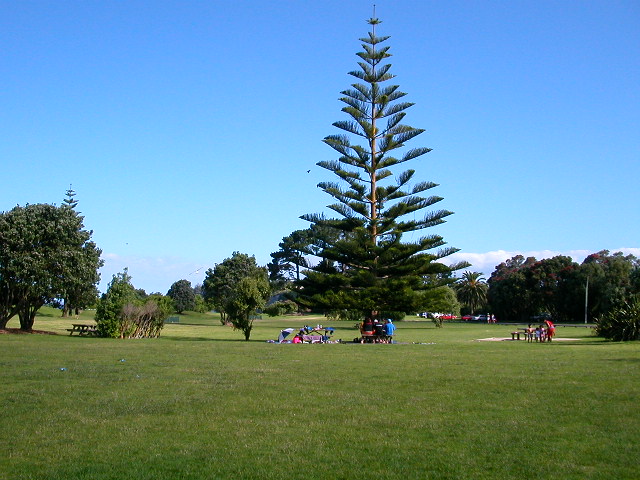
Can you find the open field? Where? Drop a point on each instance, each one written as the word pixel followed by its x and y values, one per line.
pixel 200 402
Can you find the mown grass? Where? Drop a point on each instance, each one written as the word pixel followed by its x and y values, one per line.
pixel 200 402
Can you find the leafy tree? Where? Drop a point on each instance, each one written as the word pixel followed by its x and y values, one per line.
pixel 365 264
pixel 45 253
pixel 237 288
pixel 183 296
pixel 519 289
pixel 508 294
pixel 611 281
pixel 550 284
pixel 200 304
pixel 120 292
pixel 472 290
pixel 250 295
pixel 441 299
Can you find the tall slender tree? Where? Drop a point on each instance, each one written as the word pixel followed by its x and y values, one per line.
pixel 367 266
pixel 472 290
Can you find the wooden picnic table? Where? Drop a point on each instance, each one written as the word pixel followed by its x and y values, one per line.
pixel 82 329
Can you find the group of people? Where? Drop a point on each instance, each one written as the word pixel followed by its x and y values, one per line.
pixel 317 334
pixel 375 331
pixel 542 333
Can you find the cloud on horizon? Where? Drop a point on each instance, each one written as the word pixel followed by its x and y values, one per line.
pixel 157 274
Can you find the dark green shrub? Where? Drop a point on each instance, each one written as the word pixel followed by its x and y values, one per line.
pixel 349 315
pixel 621 323
pixel 280 308
pixel 395 316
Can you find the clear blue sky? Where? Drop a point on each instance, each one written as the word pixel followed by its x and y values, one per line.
pixel 187 128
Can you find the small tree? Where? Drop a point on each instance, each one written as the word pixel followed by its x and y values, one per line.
pixel 441 299
pixel 200 304
pixel 183 296
pixel 112 303
pixel 237 287
pixel 249 295
pixel 472 290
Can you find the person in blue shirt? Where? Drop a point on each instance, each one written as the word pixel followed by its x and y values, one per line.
pixel 389 328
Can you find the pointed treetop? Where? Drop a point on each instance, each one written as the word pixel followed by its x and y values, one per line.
pixel 373 21
pixel 69 201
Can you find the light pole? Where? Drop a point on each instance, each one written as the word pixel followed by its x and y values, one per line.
pixel 586 299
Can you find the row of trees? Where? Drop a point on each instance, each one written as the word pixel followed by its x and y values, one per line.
pixel 570 292
pixel 46 255
pixel 357 262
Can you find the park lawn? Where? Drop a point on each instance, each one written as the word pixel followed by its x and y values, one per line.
pixel 200 402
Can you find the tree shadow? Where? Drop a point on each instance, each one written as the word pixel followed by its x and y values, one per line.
pixel 209 339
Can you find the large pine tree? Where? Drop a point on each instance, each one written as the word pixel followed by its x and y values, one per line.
pixel 368 267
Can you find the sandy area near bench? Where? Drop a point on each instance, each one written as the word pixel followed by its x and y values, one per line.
pixel 503 339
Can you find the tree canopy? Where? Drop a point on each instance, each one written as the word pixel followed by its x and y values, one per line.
pixel 522 288
pixel 183 296
pixel 45 254
pixel 237 288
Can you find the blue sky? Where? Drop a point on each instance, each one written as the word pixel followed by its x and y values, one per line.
pixel 187 128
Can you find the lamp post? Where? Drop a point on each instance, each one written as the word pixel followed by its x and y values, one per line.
pixel 586 299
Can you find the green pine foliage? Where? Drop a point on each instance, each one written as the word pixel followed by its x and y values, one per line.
pixel 366 265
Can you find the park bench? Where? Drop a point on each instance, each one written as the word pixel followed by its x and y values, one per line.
pixel 83 329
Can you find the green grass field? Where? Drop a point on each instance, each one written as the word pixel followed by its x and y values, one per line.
pixel 201 403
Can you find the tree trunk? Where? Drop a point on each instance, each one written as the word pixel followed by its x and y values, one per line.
pixel 27 315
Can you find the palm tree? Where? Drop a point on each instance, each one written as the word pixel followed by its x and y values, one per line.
pixel 472 290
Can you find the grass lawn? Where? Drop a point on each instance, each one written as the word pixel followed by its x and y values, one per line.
pixel 201 403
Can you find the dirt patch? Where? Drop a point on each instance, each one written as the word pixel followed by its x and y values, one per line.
pixel 509 339
pixel 17 331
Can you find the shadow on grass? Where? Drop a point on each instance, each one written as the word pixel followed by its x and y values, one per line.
pixel 209 339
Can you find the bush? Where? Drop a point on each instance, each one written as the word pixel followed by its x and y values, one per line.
pixel 395 316
pixel 349 315
pixel 622 323
pixel 280 308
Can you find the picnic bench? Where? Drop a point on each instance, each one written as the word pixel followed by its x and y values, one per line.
pixel 83 329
